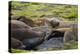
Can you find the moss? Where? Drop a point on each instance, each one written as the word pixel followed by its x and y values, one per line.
pixel 71 45
pixel 33 10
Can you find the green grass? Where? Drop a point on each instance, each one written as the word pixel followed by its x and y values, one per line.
pixel 35 10
pixel 20 51
pixel 71 45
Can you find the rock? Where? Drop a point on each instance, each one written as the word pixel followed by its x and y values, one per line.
pixel 55 42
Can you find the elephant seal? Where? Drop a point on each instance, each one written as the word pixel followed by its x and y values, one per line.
pixel 29 37
pixel 22 34
pixel 71 34
pixel 14 24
